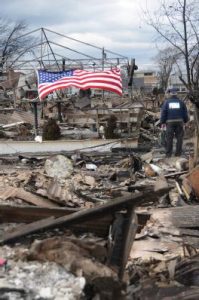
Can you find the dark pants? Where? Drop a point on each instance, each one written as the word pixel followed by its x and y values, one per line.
pixel 174 129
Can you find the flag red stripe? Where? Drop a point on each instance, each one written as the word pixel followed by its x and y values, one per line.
pixel 51 89
pixel 67 83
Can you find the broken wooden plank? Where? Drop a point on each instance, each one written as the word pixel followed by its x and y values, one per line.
pixel 180 217
pixel 148 249
pixel 175 174
pixel 186 271
pixel 126 203
pixel 149 289
pixel 124 229
pixel 179 223
pixel 29 214
pixel 12 124
pixel 84 215
pixel 129 229
pixel 128 239
pixel 12 192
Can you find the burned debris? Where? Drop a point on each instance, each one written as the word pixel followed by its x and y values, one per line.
pixel 119 213
pixel 114 215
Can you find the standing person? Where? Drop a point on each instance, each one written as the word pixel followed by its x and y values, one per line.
pixel 174 115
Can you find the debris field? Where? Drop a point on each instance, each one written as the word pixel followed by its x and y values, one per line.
pixel 98 223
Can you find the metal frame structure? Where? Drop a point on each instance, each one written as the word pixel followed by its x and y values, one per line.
pixel 56 51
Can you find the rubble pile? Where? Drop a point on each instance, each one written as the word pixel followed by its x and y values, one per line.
pixel 77 118
pixel 69 210
pixel 91 224
pixel 39 281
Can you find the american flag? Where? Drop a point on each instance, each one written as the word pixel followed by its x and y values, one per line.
pixel 105 80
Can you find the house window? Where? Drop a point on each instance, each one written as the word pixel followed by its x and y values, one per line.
pixel 148 74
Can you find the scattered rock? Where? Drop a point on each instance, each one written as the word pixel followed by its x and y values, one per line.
pixel 58 166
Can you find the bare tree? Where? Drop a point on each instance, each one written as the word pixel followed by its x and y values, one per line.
pixel 177 23
pixel 12 41
pixel 165 60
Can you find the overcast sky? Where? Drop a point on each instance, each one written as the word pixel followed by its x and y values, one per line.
pixel 117 25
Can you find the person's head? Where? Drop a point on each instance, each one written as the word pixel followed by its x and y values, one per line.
pixel 172 92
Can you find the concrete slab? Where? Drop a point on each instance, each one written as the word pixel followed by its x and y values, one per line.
pixel 19 147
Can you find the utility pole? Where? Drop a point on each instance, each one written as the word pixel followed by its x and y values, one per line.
pixel 131 69
pixel 103 57
pixel 59 102
pixel 36 116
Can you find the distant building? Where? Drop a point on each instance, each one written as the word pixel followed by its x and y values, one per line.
pixel 9 80
pixel 145 80
pixel 175 82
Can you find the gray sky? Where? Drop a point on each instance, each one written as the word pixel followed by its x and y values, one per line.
pixel 117 25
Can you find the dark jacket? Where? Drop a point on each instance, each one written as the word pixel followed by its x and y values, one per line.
pixel 173 110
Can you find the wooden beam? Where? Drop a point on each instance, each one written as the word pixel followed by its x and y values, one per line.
pixel 124 239
pixel 131 200
pixel 123 234
pixel 29 214
pixel 180 217
pixel 27 197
